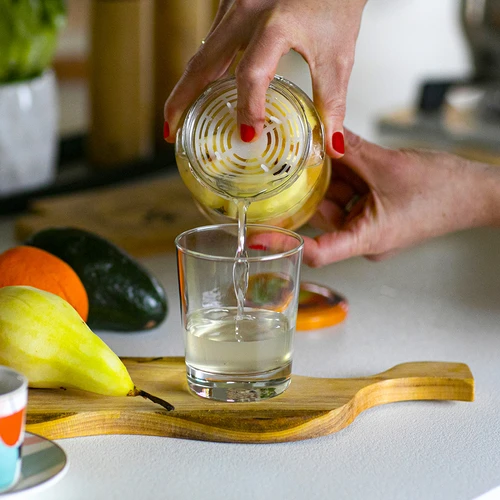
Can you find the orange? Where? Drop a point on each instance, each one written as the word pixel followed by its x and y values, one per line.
pixel 30 266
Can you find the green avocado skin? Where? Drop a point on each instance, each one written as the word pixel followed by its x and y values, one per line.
pixel 123 296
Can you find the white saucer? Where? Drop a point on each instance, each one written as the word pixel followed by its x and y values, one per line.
pixel 44 463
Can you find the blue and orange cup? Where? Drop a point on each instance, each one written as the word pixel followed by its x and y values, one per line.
pixel 13 399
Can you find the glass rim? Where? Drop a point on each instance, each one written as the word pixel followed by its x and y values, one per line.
pixel 222 258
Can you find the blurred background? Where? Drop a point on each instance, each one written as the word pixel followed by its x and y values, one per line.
pixel 401 43
pixel 425 74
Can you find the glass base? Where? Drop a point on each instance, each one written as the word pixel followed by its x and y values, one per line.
pixel 239 388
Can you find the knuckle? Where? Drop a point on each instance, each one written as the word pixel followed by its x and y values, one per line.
pixel 252 76
pixel 354 141
pixel 338 108
pixel 315 261
pixel 252 83
pixel 244 4
pixel 251 116
pixel 171 108
pixel 335 107
pixel 409 152
pixel 278 29
pixel 245 7
pixel 375 257
pixel 344 61
pixel 400 159
pixel 196 65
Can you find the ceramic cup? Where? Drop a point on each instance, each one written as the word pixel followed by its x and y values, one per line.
pixel 13 399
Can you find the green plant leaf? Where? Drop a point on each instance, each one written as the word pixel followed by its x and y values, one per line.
pixel 29 32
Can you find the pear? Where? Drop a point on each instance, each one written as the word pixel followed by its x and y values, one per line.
pixel 43 337
pixel 287 200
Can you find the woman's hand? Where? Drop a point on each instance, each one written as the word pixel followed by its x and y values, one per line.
pixel 324 32
pixel 397 198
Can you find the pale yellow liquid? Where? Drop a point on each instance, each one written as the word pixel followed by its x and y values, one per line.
pixel 289 209
pixel 265 342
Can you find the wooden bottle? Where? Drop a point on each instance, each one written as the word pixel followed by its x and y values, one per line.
pixel 180 26
pixel 121 81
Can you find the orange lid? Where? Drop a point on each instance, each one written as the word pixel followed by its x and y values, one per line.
pixel 320 307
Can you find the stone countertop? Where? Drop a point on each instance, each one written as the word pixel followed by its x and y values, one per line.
pixel 439 301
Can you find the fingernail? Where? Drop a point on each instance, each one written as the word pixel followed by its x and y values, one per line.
pixel 338 142
pixel 257 247
pixel 166 130
pixel 247 132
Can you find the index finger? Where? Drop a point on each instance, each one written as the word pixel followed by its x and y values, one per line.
pixel 254 73
pixel 330 247
pixel 198 74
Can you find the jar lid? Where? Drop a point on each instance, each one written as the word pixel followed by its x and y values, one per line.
pixel 319 307
pixel 235 169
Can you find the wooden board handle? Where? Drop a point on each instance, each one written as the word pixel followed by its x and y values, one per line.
pixel 428 380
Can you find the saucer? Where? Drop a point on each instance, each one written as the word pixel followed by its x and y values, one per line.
pixel 44 463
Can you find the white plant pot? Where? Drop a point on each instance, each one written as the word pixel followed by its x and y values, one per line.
pixel 28 134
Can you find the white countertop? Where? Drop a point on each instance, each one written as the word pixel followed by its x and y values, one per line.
pixel 440 301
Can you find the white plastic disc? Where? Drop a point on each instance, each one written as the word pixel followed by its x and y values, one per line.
pixel 246 170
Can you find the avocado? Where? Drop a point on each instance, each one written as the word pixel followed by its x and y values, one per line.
pixel 123 295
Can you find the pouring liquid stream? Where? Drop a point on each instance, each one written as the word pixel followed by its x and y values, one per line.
pixel 241 266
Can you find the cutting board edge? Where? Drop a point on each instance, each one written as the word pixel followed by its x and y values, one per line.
pixel 167 425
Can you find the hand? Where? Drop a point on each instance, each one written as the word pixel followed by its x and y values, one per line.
pixel 404 197
pixel 324 32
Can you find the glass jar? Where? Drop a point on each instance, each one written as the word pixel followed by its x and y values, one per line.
pixel 283 174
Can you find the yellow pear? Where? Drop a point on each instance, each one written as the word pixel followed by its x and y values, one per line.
pixel 43 337
pixel 286 201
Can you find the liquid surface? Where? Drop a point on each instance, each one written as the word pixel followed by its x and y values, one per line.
pixel 264 341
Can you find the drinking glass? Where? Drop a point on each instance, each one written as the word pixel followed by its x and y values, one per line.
pixel 238 350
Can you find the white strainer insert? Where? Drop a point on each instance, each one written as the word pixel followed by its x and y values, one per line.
pixel 247 170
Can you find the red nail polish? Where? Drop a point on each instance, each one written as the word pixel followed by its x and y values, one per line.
pixel 338 142
pixel 166 130
pixel 257 247
pixel 247 132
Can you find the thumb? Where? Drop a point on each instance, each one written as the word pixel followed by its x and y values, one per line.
pixel 331 247
pixel 368 160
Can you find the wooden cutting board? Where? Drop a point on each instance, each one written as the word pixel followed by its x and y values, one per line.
pixel 142 218
pixel 309 408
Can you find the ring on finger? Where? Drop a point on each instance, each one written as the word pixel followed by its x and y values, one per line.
pixel 350 204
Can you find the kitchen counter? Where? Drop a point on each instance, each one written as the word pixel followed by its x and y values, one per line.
pixel 439 301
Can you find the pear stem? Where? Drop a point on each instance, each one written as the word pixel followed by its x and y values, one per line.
pixel 154 399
